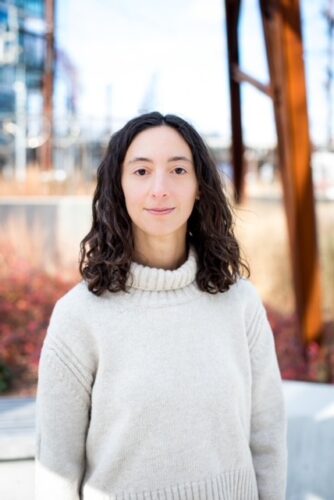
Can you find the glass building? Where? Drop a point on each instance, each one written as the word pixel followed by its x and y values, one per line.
pixel 22 59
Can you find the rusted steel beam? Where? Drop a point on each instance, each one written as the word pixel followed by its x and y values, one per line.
pixel 283 37
pixel 240 76
pixel 232 9
pixel 47 148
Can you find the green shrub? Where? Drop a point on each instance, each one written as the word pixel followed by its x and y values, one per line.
pixel 5 377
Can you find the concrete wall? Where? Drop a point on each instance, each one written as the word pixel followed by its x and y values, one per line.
pixel 47 228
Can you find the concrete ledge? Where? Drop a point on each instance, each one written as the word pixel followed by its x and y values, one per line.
pixel 310 409
pixel 52 224
pixel 17 428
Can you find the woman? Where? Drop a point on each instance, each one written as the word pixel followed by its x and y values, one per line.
pixel 158 376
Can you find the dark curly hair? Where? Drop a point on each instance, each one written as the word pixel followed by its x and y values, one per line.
pixel 106 251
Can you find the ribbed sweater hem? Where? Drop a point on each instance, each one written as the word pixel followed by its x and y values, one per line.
pixel 230 485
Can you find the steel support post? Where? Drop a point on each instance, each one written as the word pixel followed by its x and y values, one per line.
pixel 283 37
pixel 232 9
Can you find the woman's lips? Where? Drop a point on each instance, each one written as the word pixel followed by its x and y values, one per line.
pixel 160 211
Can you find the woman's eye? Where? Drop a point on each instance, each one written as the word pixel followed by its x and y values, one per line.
pixel 180 170
pixel 141 172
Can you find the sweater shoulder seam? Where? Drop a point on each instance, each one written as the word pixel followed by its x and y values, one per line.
pixel 77 374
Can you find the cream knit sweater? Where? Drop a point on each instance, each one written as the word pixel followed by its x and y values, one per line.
pixel 163 393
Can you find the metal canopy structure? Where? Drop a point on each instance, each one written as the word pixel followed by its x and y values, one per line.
pixel 281 22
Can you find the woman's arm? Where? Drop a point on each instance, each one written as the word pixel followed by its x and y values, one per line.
pixel 63 409
pixel 268 440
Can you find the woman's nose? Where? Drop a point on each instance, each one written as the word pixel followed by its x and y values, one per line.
pixel 159 187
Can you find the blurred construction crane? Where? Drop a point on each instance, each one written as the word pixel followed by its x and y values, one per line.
pixel 281 23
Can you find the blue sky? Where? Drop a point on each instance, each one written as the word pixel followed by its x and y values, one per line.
pixel 175 53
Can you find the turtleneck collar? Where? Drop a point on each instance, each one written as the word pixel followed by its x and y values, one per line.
pixel 155 279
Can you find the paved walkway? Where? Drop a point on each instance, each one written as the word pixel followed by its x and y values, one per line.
pixel 17 480
pixel 17 437
pixel 310 409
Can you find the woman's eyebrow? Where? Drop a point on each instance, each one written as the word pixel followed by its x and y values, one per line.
pixel 180 158
pixel 140 158
pixel 173 158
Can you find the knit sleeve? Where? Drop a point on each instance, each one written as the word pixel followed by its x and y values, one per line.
pixel 268 441
pixel 62 412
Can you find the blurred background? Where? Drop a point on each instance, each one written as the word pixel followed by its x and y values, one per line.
pixel 73 72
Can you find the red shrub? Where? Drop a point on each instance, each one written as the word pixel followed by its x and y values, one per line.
pixel 314 362
pixel 27 297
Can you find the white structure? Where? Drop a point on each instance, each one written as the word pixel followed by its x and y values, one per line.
pixel 323 175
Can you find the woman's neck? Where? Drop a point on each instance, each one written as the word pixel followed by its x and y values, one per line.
pixel 160 254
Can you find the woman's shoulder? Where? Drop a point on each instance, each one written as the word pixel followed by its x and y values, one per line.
pixel 80 297
pixel 243 289
pixel 247 299
pixel 75 295
pixel 73 300
pixel 77 304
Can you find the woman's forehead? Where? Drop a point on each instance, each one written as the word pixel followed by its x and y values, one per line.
pixel 161 140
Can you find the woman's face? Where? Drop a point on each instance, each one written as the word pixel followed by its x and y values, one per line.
pixel 159 183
